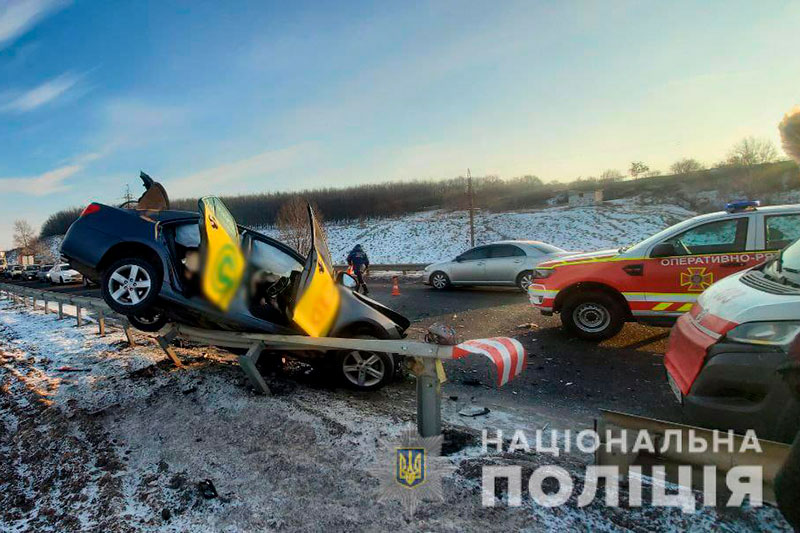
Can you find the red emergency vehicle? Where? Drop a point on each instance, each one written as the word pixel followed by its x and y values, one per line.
pixel 659 279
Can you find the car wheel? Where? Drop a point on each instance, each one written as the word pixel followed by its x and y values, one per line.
pixel 365 371
pixel 593 315
pixel 525 279
pixel 130 285
pixel 440 281
pixel 149 321
pixel 60 280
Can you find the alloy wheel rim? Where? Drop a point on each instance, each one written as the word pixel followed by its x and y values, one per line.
pixel 438 281
pixel 591 317
pixel 364 370
pixel 129 285
pixel 526 281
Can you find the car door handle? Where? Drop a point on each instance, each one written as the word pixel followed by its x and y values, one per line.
pixel 518 262
pixel 634 270
pixel 733 264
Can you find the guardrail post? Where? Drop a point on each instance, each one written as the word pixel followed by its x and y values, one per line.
pixel 33 302
pixel 45 306
pixel 248 363
pixel 78 316
pixel 165 341
pixel 60 310
pixel 129 334
pixel 429 400
pixel 101 323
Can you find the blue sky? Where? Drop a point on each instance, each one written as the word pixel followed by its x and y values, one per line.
pixel 233 97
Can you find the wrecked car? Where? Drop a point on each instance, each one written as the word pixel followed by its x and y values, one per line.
pixel 156 265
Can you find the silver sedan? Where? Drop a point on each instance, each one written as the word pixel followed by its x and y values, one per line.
pixel 500 263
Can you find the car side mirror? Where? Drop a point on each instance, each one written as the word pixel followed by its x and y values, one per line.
pixel 347 280
pixel 664 249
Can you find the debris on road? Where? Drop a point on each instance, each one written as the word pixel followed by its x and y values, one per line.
pixel 474 411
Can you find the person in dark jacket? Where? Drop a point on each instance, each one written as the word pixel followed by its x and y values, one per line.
pixel 357 258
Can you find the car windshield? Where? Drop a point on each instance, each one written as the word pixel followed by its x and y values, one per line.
pixel 32 267
pixel 786 267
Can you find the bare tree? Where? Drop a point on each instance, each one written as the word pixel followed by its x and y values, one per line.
pixel 25 238
pixel 751 151
pixel 638 168
pixel 293 223
pixel 611 175
pixel 686 165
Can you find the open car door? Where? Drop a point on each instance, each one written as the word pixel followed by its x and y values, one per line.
pixel 223 261
pixel 317 298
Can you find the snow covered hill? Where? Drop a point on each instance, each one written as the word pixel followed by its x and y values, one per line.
pixel 434 235
pixel 430 236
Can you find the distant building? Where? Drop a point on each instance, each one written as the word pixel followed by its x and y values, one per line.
pixel 578 198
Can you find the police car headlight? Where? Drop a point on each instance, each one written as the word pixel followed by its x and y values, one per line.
pixel 779 334
pixel 541 273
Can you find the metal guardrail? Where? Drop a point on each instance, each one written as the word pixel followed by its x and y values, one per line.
pixel 771 456
pixel 398 267
pixel 427 366
pixel 103 313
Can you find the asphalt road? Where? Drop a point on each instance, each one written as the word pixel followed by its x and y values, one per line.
pixel 567 380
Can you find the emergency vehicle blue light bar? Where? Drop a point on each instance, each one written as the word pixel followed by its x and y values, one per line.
pixel 742 205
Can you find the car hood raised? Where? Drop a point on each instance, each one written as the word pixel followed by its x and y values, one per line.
pixel 579 258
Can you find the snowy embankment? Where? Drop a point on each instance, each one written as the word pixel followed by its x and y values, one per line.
pixel 99 436
pixel 431 236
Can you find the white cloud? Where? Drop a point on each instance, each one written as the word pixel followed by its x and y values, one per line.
pixel 18 16
pixel 42 94
pixel 225 178
pixel 47 183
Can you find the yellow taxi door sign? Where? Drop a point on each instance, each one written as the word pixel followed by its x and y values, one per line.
pixel 224 264
pixel 318 304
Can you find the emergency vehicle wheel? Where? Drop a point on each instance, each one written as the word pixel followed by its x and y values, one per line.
pixel 439 280
pixel 593 316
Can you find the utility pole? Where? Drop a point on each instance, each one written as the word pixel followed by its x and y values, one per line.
pixel 128 197
pixel 471 209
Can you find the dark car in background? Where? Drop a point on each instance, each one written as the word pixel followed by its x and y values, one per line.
pixel 41 275
pixel 147 261
pixel 30 273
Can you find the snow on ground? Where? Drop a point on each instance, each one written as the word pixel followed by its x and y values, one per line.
pixel 97 435
pixel 430 236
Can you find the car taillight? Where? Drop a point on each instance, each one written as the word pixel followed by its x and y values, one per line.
pixel 91 208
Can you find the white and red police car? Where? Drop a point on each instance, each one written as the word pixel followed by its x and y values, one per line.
pixel 660 278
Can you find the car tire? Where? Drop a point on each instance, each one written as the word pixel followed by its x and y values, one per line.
pixel 524 280
pixel 150 321
pixel 119 292
pixel 354 368
pixel 439 280
pixel 593 315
